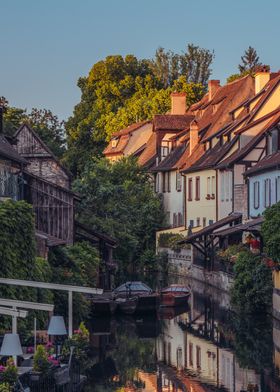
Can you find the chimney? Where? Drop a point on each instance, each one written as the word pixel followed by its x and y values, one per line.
pixel 213 87
pixel 178 103
pixel 193 135
pixel 262 76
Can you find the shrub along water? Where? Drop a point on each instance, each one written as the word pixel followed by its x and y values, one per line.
pixel 252 288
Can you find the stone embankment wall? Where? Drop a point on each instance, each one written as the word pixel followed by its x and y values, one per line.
pixel 181 264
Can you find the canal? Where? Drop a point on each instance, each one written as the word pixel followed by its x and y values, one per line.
pixel 200 347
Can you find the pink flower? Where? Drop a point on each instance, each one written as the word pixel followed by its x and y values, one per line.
pixel 2 368
pixel 30 350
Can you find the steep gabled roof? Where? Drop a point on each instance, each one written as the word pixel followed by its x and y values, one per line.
pixel 267 163
pixel 216 116
pixel 148 156
pixel 241 153
pixel 172 122
pixel 44 146
pixel 210 158
pixel 171 161
pixel 7 151
pixel 123 137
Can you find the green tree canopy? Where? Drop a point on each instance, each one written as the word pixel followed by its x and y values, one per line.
pixel 271 231
pixel 249 61
pixel 252 288
pixel 43 121
pixel 121 90
pixel 118 199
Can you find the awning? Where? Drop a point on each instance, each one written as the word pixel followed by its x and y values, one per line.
pixel 253 225
pixel 208 230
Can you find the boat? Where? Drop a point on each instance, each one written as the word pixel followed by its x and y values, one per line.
pixel 132 289
pixel 175 295
pixel 127 305
pixel 147 300
pixel 104 305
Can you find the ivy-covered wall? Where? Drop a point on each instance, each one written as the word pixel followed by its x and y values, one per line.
pixel 18 256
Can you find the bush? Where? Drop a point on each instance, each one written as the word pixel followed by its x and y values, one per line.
pixel 231 252
pixel 41 362
pixel 252 288
pixel 170 240
pixel 271 231
pixel 10 374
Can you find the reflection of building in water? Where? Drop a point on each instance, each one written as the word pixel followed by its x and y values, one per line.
pixel 194 346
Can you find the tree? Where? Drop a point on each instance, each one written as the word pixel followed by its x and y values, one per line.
pixel 271 231
pixel 49 128
pixel 43 121
pixel 249 61
pixel 118 199
pixel 195 64
pixel 122 90
pixel 252 287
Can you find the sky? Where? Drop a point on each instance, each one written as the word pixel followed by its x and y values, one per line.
pixel 47 45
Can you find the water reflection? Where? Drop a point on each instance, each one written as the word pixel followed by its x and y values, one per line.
pixel 200 348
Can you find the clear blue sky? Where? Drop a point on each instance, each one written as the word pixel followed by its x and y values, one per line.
pixel 47 45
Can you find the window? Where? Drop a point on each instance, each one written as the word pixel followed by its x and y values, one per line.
pixel 175 220
pixel 191 223
pixel 204 222
pixel 190 189
pixel 115 143
pixel 164 151
pixel 273 142
pixel 168 174
pixel 208 187
pixel 197 188
pixel 267 192
pixel 168 217
pixel 179 358
pixel 222 186
pixel 197 221
pixel 198 357
pixel 163 183
pixel 190 354
pixel 277 189
pixel 256 186
pixel 211 221
pixel 180 219
pixel 213 187
pixel 178 181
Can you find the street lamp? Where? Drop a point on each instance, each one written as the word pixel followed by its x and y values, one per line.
pixel 57 328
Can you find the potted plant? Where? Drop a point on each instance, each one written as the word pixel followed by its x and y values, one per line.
pixel 41 365
pixel 9 374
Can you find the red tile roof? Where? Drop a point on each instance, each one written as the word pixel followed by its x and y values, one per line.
pixel 172 122
pixel 148 156
pixel 240 154
pixel 123 137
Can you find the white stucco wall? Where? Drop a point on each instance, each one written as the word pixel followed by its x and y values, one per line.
pixel 173 201
pixel 225 203
pixel 202 208
pixel 272 175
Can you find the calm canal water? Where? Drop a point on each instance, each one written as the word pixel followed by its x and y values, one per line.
pixel 202 347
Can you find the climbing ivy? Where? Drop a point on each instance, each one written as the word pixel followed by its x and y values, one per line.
pixel 18 256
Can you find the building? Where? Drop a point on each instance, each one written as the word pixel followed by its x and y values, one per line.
pixel 129 141
pixel 211 118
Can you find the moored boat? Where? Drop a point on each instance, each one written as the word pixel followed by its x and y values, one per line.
pixel 147 300
pixel 127 305
pixel 175 295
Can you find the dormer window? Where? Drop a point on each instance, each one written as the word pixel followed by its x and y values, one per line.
pixel 273 141
pixel 115 143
